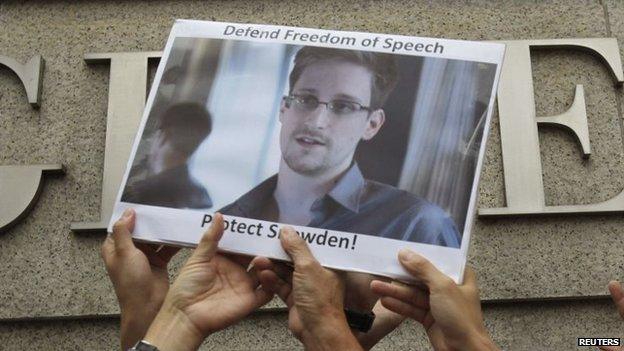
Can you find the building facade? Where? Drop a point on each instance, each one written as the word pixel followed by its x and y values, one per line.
pixel 542 272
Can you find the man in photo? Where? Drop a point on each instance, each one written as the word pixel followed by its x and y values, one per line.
pixel 335 101
pixel 168 183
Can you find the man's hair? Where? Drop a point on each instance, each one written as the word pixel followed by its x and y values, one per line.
pixel 185 125
pixel 383 68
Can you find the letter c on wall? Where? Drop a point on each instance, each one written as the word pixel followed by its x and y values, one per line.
pixel 20 186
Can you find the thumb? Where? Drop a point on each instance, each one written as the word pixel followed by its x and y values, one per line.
pixel 209 243
pixel 122 231
pixel 615 288
pixel 295 247
pixel 617 295
pixel 422 269
pixel 609 348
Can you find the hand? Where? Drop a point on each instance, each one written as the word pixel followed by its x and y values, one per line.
pixel 617 295
pixel 210 293
pixel 450 313
pixel 139 276
pixel 314 296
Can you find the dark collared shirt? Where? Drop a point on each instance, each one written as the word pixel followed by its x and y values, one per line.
pixel 171 188
pixel 357 205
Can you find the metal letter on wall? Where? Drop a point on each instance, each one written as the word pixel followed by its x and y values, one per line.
pixel 30 74
pixel 524 188
pixel 126 100
pixel 20 186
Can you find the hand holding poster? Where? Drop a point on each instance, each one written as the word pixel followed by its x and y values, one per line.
pixel 364 143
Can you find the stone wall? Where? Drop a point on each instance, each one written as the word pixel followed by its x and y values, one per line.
pixel 543 278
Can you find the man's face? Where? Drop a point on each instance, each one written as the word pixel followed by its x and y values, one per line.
pixel 320 141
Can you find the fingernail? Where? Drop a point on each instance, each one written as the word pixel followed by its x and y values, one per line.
pixel 127 213
pixel 250 267
pixel 406 255
pixel 286 232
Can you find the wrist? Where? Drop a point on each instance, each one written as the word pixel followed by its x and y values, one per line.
pixel 332 334
pixel 171 330
pixel 480 342
pixel 133 326
pixel 137 317
pixel 139 314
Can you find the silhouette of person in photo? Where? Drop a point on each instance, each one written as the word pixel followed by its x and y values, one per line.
pixel 181 129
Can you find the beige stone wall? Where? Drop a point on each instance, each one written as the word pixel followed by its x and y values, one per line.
pixel 54 293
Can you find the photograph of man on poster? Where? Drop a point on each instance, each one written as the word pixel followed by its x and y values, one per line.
pixel 343 140
pixel 335 101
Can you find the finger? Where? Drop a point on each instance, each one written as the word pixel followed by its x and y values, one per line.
pixel 152 256
pixel 122 230
pixel 610 348
pixel 108 249
pixel 470 277
pixel 428 320
pixel 158 255
pixel 273 284
pixel 615 288
pixel 617 295
pixel 296 247
pixel 422 269
pixel 470 282
pixel 253 275
pixel 148 249
pixel 411 295
pixel 404 309
pixel 283 271
pixel 209 243
pixel 243 260
pixel 261 263
pixel 262 296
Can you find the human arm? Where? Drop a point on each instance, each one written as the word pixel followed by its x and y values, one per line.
pixel 385 322
pixel 314 296
pixel 211 292
pixel 139 276
pixel 450 313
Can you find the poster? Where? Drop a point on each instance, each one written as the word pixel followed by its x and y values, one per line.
pixel 365 143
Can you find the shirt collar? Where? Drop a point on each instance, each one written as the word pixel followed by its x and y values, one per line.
pixel 348 189
pixel 346 192
pixel 250 202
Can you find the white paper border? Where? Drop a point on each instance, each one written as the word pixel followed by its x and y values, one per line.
pixel 374 255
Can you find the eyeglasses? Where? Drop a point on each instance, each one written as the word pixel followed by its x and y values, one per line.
pixel 309 103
